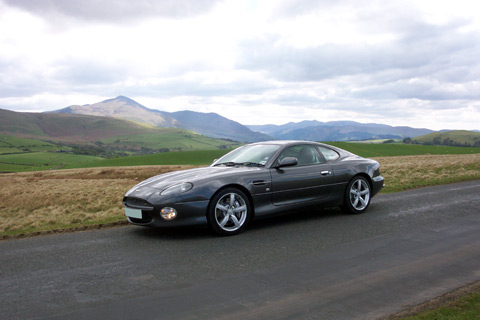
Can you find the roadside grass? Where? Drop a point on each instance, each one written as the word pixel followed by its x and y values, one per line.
pixel 465 308
pixel 32 202
pixel 410 172
pixel 460 304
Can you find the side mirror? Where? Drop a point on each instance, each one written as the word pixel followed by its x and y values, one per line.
pixel 288 162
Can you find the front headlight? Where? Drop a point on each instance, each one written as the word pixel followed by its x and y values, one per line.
pixel 178 188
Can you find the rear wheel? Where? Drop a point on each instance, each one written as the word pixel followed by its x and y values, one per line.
pixel 357 195
pixel 229 212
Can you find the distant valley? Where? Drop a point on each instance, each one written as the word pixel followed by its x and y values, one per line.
pixel 216 126
pixel 82 136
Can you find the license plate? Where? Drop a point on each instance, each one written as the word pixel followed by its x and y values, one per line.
pixel 133 213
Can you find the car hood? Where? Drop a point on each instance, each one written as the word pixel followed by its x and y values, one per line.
pixel 166 180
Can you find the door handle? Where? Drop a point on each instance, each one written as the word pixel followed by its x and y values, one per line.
pixel 325 173
pixel 259 183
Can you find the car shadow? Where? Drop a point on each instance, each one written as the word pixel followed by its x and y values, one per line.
pixel 305 216
pixel 291 218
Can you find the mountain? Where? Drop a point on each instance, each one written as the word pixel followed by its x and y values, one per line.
pixel 462 138
pixel 216 126
pixel 123 108
pixel 65 127
pixel 337 131
pixel 103 135
pixel 209 124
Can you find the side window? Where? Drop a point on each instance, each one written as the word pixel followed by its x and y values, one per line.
pixel 305 154
pixel 328 154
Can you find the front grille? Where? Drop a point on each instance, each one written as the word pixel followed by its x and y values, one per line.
pixel 146 219
pixel 136 203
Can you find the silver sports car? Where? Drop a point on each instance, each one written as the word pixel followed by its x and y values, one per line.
pixel 253 181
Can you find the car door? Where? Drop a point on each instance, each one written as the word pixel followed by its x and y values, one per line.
pixel 309 180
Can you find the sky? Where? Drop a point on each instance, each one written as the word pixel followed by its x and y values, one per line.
pixel 403 63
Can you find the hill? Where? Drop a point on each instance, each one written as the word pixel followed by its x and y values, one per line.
pixel 65 127
pixel 209 124
pixel 337 131
pixel 92 135
pixel 461 138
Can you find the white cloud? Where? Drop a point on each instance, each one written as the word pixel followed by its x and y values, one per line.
pixel 252 61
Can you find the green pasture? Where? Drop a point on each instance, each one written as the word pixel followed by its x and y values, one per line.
pixel 34 161
pixel 171 139
pixel 11 144
pixel 199 157
pixel 47 160
pixel 399 149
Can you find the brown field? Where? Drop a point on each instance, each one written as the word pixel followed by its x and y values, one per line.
pixel 33 202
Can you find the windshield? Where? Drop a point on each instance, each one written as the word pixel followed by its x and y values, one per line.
pixel 257 154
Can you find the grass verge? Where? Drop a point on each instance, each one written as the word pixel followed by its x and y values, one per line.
pixel 460 304
pixel 32 202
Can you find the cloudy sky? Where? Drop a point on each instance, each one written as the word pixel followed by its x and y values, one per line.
pixel 414 63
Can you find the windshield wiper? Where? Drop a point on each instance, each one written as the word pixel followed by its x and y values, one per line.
pixel 232 164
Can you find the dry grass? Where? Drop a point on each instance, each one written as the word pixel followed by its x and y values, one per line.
pixel 408 172
pixel 64 199
pixel 31 202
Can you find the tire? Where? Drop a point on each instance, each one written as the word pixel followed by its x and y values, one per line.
pixel 229 212
pixel 357 196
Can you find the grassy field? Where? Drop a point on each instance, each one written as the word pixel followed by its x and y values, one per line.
pixel 205 151
pixel 20 154
pixel 201 157
pixel 399 149
pixel 57 199
pixel 171 139
pixel 11 144
pixel 36 161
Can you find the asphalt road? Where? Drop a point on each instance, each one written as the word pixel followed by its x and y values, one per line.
pixel 408 247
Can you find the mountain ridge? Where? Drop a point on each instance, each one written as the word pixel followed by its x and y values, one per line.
pixel 128 109
pixel 338 131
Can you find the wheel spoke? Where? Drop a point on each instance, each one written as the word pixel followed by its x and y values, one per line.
pixel 239 209
pixel 355 202
pixel 364 192
pixel 221 208
pixel 362 201
pixel 224 221
pixel 235 220
pixel 232 200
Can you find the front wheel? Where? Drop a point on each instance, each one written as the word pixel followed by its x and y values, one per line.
pixel 357 195
pixel 229 212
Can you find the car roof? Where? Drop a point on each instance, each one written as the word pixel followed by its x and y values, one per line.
pixel 295 142
pixel 287 142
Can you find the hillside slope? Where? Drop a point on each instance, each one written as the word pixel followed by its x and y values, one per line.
pixel 209 124
pixel 65 127
pixel 104 132
pixel 462 138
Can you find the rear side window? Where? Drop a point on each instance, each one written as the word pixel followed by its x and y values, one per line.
pixel 306 155
pixel 328 154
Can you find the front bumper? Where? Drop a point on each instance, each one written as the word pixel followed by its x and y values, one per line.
pixel 188 213
pixel 378 183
